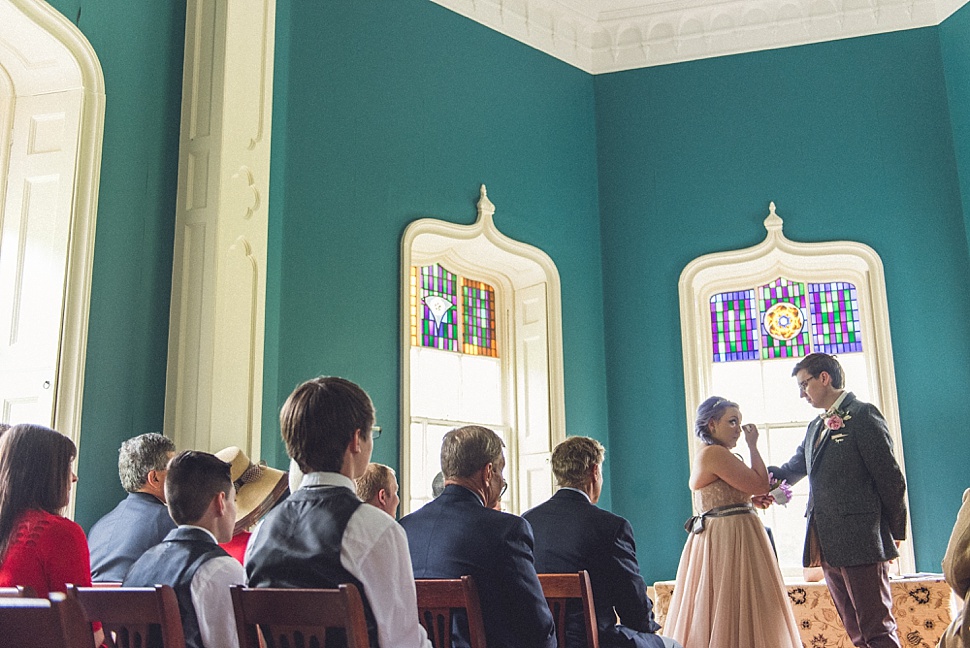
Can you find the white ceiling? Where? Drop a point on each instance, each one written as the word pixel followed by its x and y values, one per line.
pixel 611 35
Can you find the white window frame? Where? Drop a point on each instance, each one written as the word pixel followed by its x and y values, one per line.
pixel 818 262
pixel 535 403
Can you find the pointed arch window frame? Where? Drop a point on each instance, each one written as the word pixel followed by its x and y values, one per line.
pixel 519 265
pixel 778 256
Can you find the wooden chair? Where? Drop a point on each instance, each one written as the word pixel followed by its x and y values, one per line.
pixel 560 589
pixel 57 622
pixel 133 617
pixel 438 599
pixel 298 617
pixel 19 591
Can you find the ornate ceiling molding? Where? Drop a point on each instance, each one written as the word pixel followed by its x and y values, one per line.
pixel 660 33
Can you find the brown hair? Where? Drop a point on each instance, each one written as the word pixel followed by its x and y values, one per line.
pixel 319 419
pixel 816 363
pixel 193 479
pixel 35 467
pixel 376 477
pixel 574 458
pixel 466 450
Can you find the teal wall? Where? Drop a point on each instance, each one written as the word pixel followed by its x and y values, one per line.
pixel 140 49
pixel 852 140
pixel 955 47
pixel 385 112
pixel 397 111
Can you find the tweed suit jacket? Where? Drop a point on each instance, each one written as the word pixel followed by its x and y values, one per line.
pixel 455 535
pixel 573 534
pixel 857 497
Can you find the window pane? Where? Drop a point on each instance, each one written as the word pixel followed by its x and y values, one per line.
pixel 784 312
pixel 437 324
pixel 480 387
pixel 435 383
pixel 425 460
pixel 478 334
pixel 734 326
pixel 835 317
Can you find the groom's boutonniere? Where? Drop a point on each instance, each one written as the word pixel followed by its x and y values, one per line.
pixel 835 419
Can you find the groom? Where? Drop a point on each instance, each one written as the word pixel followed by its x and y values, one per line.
pixel 856 509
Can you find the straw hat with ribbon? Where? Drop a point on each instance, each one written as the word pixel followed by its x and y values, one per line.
pixel 258 487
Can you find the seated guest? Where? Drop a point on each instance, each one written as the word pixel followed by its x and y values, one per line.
pixel 38 547
pixel 258 489
pixel 956 570
pixel 458 533
pixel 378 487
pixel 573 534
pixel 202 500
pixel 139 521
pixel 322 535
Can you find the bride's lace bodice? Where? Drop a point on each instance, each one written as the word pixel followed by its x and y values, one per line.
pixel 718 493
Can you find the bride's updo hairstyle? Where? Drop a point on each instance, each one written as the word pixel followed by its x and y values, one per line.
pixel 709 411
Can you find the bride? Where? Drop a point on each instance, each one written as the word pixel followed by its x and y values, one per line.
pixel 729 591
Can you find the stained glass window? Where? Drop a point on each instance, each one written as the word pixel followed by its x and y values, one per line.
pixel 835 317
pixel 434 297
pixel 783 313
pixel 440 321
pixel 478 300
pixel 734 326
pixel 785 319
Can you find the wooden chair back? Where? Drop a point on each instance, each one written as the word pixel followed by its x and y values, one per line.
pixel 559 589
pixel 134 617
pixel 19 591
pixel 438 599
pixel 298 617
pixel 57 622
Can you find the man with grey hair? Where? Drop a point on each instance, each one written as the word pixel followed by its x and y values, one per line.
pixel 140 521
pixel 458 534
pixel 573 534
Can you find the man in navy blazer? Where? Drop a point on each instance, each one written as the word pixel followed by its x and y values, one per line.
pixel 459 534
pixel 573 534
pixel 141 520
pixel 856 504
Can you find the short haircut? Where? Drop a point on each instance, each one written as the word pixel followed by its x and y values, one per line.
pixel 376 477
pixel 194 478
pixel 35 469
pixel 574 458
pixel 709 411
pixel 816 363
pixel 139 456
pixel 466 450
pixel 319 419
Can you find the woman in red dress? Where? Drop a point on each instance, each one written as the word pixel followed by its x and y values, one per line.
pixel 38 547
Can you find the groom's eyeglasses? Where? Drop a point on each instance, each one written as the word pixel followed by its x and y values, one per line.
pixel 803 385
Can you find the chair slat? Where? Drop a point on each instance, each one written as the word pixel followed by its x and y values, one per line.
pixel 134 617
pixel 559 590
pixel 298 617
pixel 57 622
pixel 439 598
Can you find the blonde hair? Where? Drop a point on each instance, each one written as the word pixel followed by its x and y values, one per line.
pixel 376 477
pixel 574 458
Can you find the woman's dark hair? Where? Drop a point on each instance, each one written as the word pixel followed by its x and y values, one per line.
pixel 710 410
pixel 35 465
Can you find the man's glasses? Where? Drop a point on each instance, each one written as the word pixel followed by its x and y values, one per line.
pixel 375 432
pixel 505 487
pixel 803 385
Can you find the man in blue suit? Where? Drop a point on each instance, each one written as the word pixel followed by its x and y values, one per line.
pixel 140 521
pixel 573 534
pixel 459 534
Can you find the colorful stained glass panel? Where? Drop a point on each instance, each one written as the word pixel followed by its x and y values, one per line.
pixel 478 332
pixel 835 317
pixel 734 326
pixel 775 331
pixel 435 299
